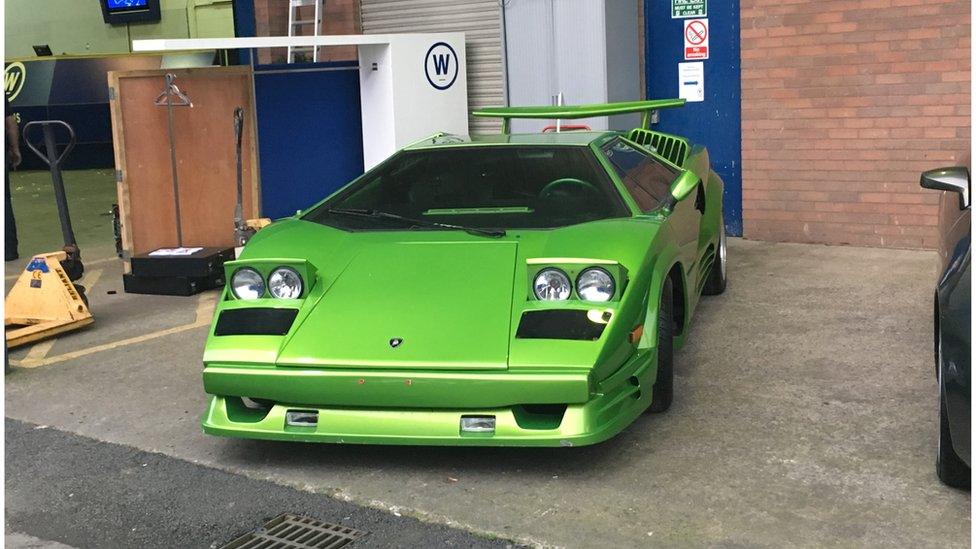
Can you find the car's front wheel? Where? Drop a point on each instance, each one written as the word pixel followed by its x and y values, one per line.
pixel 664 383
pixel 717 277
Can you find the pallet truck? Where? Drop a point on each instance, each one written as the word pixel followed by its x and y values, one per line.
pixel 44 301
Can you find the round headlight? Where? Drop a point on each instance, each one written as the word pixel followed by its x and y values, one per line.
pixel 247 284
pixel 285 283
pixel 551 285
pixel 595 284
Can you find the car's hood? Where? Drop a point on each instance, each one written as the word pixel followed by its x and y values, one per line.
pixel 453 300
pixel 412 305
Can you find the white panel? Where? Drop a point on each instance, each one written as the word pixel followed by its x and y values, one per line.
pixel 420 109
pixel 479 20
pixel 562 46
pixel 581 55
pixel 376 103
pixel 623 59
pixel 531 58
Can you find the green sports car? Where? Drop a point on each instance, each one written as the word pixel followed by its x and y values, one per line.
pixel 523 290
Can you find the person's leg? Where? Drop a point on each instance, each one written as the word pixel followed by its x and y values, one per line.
pixel 10 226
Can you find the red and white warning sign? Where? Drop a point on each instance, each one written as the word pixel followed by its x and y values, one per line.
pixel 696 38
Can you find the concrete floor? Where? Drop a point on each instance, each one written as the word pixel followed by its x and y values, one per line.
pixel 805 415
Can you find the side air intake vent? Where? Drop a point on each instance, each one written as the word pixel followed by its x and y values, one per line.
pixel 669 146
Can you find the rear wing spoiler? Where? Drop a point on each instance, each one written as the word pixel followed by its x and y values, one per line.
pixel 569 112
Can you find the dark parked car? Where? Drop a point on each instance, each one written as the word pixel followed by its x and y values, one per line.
pixel 952 322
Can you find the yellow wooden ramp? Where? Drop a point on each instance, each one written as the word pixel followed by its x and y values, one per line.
pixel 43 302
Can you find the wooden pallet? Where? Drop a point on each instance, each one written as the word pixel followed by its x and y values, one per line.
pixel 43 303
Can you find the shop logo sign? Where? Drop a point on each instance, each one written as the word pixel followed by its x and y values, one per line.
pixel 13 79
pixel 441 65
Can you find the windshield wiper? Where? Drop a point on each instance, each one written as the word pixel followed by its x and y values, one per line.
pixel 362 212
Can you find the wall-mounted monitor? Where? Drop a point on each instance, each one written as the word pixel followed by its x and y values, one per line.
pixel 116 12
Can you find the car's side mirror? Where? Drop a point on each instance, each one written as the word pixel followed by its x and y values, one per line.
pixel 682 187
pixel 954 179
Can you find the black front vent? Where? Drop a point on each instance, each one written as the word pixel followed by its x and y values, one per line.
pixel 559 324
pixel 255 321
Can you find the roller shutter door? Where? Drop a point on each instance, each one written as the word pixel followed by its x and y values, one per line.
pixel 479 20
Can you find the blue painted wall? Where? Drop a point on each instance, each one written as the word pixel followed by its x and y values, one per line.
pixel 716 122
pixel 310 133
pixel 244 25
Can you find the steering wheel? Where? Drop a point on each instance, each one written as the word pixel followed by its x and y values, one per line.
pixel 568 185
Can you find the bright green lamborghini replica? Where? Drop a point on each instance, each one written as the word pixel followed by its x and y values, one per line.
pixel 522 290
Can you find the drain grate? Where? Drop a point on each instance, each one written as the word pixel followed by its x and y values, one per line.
pixel 287 531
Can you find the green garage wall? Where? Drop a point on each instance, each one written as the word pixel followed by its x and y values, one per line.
pixel 73 27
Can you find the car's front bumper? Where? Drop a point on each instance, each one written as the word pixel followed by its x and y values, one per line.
pixel 424 408
pixel 581 424
pixel 383 388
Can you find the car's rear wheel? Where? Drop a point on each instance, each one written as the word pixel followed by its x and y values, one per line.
pixel 663 391
pixel 715 284
pixel 951 470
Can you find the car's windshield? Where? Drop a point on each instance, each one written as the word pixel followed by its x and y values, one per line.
pixel 481 187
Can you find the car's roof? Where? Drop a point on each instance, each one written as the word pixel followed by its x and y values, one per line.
pixel 578 138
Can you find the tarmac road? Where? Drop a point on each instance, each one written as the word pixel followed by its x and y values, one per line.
pixel 80 492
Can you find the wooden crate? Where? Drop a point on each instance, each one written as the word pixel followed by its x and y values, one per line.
pixel 205 149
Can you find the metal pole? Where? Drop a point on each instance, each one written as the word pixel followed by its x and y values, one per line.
pixel 558 99
pixel 240 228
pixel 172 157
pixel 51 148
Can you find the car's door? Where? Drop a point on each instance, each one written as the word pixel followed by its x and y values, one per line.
pixel 954 294
pixel 953 225
pixel 686 221
pixel 649 179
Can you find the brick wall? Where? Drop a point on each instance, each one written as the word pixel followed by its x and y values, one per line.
pixel 844 103
pixel 341 17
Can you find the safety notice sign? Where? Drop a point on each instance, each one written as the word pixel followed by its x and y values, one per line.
pixel 691 81
pixel 688 8
pixel 696 39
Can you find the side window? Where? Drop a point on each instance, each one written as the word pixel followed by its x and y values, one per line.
pixel 647 179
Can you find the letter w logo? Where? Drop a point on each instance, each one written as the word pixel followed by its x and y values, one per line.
pixel 12 78
pixel 441 63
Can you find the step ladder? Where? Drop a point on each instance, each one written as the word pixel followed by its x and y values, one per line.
pixel 296 23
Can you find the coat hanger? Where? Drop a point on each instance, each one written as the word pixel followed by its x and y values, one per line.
pixel 166 97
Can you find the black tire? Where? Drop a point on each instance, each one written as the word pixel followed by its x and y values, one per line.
pixel 951 470
pixel 715 284
pixel 663 391
pixel 83 294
